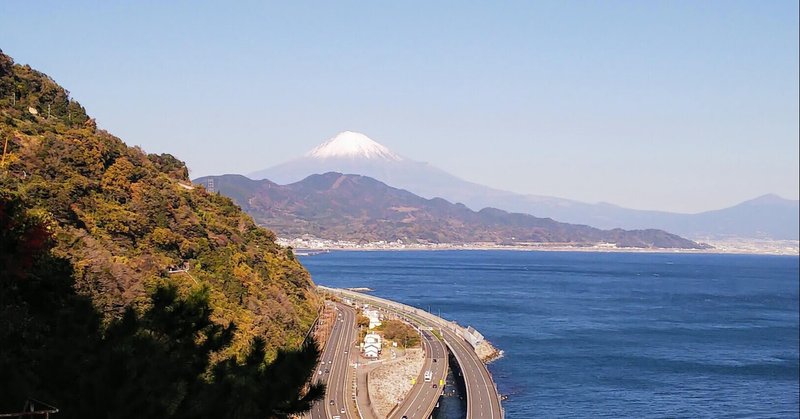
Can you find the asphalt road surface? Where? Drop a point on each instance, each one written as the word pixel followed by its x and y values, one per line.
pixel 335 370
pixel 422 399
pixel 483 402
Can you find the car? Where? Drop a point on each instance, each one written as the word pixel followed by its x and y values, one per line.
pixel 345 351
pixel 327 370
pixel 330 362
pixel 341 411
pixel 435 386
pixel 332 402
pixel 435 360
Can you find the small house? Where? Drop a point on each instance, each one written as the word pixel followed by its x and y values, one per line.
pixel 372 345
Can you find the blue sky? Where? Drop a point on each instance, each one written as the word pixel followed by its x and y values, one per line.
pixel 673 105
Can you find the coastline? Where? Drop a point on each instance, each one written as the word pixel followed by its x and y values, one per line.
pixel 733 247
pixel 487 352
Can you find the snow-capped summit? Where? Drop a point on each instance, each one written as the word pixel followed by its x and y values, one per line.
pixel 354 153
pixel 349 144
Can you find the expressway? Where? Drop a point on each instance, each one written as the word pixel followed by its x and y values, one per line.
pixel 334 368
pixel 482 399
pixel 422 399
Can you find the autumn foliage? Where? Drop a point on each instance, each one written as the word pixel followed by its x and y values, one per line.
pixel 400 332
pixel 126 227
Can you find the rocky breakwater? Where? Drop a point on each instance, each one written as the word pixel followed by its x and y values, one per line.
pixel 487 353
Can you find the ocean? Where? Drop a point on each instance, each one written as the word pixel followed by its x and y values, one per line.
pixel 609 334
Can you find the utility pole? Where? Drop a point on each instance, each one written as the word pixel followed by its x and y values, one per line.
pixel 5 147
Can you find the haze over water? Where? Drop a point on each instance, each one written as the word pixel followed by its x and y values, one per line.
pixel 609 334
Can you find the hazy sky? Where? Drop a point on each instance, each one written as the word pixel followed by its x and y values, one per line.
pixel 682 106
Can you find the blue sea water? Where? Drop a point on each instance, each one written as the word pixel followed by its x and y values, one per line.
pixel 609 334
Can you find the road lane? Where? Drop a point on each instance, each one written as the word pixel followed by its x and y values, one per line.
pixel 483 401
pixel 334 368
pixel 422 399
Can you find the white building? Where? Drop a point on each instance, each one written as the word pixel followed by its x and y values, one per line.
pixel 374 318
pixel 372 345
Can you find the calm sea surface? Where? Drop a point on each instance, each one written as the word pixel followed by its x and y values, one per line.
pixel 609 334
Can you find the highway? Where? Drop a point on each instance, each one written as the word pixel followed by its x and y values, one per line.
pixel 483 401
pixel 482 398
pixel 335 370
pixel 422 399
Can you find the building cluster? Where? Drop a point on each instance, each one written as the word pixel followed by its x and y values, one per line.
pixel 313 243
pixel 372 341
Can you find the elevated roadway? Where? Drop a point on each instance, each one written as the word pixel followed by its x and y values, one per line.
pixel 483 401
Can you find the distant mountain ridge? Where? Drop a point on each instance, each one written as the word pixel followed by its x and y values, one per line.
pixel 765 217
pixel 768 217
pixel 358 208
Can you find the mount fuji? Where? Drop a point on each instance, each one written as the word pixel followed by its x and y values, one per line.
pixel 766 217
pixel 355 153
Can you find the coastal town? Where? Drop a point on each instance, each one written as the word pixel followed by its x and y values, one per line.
pixel 307 244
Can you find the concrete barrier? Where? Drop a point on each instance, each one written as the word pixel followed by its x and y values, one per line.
pixel 469 334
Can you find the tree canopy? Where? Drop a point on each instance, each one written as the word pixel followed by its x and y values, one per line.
pixel 400 332
pixel 126 288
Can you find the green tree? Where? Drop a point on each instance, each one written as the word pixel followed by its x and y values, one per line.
pixel 153 364
pixel 400 332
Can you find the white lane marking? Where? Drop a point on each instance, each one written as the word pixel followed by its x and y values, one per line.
pixel 332 375
pixel 342 383
pixel 326 351
pixel 419 389
pixel 454 339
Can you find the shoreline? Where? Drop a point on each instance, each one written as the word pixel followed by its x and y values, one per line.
pixel 792 252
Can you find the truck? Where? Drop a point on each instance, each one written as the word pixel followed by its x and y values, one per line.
pixel 428 376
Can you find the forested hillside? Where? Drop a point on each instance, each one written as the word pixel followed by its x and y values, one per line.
pixel 361 209
pixel 125 246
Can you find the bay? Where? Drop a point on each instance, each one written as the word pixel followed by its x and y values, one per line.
pixel 608 334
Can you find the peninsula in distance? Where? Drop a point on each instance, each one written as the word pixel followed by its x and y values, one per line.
pixel 353 189
pixel 360 209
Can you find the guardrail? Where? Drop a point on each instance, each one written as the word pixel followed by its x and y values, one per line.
pixel 314 323
pixel 403 308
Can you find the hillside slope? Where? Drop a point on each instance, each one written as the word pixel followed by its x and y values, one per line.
pixel 129 222
pixel 358 208
pixel 355 153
